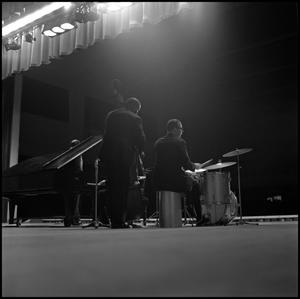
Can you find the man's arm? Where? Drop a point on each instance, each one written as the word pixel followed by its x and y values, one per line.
pixel 187 163
pixel 139 135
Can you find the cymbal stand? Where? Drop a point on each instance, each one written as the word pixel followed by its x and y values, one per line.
pixel 241 221
pixel 96 223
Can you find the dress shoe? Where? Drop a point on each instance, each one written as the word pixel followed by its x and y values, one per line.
pixel 67 222
pixel 76 221
pixel 203 221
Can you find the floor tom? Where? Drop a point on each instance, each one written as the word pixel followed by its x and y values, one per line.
pixel 219 204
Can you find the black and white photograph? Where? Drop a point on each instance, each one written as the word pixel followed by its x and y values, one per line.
pixel 150 149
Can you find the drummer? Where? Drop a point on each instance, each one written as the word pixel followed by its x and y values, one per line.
pixel 171 160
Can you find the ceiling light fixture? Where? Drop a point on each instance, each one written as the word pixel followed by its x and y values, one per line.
pixel 12 46
pixel 49 33
pixel 67 26
pixel 33 17
pixel 29 38
pixel 57 30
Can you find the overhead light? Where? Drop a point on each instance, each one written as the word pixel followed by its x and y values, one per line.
pixel 58 30
pixel 85 12
pixel 12 46
pixel 66 22
pixel 34 16
pixel 59 25
pixel 29 38
pixel 49 33
pixel 67 26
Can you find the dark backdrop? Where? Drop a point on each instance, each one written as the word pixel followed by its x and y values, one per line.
pixel 228 71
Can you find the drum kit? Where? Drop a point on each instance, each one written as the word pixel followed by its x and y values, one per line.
pixel 219 203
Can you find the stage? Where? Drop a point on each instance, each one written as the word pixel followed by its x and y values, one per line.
pixel 42 260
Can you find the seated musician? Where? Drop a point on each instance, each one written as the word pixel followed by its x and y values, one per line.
pixel 72 180
pixel 171 159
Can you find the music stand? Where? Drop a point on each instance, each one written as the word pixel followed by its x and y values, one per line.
pixel 96 223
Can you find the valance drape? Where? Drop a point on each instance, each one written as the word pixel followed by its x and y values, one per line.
pixel 108 26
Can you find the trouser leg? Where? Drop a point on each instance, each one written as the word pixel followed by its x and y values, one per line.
pixel 118 204
pixel 76 210
pixel 195 194
pixel 68 209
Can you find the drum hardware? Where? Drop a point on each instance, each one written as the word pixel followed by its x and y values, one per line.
pixel 156 213
pixel 186 213
pixel 237 153
pixel 96 223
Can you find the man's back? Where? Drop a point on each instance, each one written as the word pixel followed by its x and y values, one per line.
pixel 126 126
pixel 171 155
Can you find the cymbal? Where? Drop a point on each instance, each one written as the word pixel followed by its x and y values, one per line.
pixel 238 152
pixel 220 165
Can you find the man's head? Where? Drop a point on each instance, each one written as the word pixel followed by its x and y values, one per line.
pixel 174 126
pixel 133 105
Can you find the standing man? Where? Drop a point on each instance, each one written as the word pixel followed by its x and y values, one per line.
pixel 123 141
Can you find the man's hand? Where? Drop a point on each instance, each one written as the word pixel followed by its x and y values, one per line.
pixel 197 165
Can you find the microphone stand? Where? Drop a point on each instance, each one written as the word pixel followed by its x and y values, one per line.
pixel 96 223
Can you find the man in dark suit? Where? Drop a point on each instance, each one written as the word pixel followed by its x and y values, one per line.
pixel 123 140
pixel 171 161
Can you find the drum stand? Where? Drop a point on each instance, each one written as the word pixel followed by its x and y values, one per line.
pixel 241 221
pixel 96 223
pixel 156 213
pixel 186 213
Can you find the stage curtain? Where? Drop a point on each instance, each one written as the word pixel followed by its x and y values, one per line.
pixel 109 25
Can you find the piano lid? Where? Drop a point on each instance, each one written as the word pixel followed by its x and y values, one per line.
pixel 72 153
pixel 52 161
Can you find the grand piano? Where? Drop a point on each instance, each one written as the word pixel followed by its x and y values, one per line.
pixel 35 185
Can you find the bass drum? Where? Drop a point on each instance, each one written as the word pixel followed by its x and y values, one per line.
pixel 218 202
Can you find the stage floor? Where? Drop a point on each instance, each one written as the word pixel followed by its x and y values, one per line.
pixel 233 260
